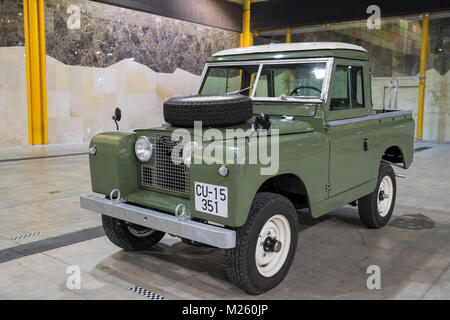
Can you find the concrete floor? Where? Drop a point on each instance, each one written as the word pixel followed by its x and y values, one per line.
pixel 42 196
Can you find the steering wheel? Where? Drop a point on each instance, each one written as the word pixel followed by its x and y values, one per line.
pixel 305 87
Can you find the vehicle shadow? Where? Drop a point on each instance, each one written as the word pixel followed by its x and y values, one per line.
pixel 198 271
pixel 333 254
pixel 347 214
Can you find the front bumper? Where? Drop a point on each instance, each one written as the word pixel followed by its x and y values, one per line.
pixel 192 230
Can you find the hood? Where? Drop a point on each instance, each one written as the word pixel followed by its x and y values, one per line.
pixel 284 125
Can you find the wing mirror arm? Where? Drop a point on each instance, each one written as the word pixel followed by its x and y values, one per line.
pixel 116 117
pixel 262 122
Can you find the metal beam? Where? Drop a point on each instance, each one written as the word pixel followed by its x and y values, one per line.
pixel 36 71
pixel 288 72
pixel 422 75
pixel 246 35
pixel 290 13
pixel 214 13
pixel 288 35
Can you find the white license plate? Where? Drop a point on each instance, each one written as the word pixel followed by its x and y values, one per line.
pixel 211 199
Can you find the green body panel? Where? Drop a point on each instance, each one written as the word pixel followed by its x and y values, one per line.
pixel 303 155
pixel 114 164
pixel 317 148
pixel 284 126
pixel 288 108
pixel 351 166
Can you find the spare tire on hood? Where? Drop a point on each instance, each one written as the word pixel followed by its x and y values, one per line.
pixel 213 110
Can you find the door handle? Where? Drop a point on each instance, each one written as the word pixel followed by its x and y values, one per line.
pixel 365 144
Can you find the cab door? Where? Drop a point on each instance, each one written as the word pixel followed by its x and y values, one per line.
pixel 346 127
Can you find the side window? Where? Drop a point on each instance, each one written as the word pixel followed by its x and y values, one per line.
pixel 220 80
pixel 347 91
pixel 357 87
pixel 262 90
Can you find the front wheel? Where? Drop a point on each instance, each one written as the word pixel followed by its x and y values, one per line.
pixel 265 245
pixel 376 208
pixel 128 236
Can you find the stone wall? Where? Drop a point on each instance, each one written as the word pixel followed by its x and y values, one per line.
pixel 394 52
pixel 117 57
pixel 81 100
pixel 11 23
pixel 109 34
pixel 13 97
pixel 436 125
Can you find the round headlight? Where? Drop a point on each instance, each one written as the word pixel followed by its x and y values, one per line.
pixel 143 149
pixel 188 151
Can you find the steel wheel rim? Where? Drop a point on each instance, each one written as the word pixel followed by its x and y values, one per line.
pixel 269 263
pixel 140 233
pixel 384 196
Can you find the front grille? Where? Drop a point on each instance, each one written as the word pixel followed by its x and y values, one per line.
pixel 165 174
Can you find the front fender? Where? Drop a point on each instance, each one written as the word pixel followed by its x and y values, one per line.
pixel 114 164
pixel 304 155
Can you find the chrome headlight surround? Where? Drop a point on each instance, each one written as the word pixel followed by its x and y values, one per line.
pixel 143 149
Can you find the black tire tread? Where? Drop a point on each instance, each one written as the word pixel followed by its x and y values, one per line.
pixel 236 109
pixel 367 205
pixel 236 259
pixel 118 234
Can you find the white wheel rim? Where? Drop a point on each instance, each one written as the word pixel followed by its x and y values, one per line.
pixel 269 263
pixel 140 233
pixel 384 196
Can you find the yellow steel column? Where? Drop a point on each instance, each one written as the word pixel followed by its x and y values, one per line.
pixel 36 75
pixel 288 35
pixel 288 72
pixel 423 70
pixel 246 35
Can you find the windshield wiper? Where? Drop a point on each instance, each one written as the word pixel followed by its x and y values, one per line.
pixel 239 91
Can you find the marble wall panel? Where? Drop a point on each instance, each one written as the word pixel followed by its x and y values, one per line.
pixel 13 97
pixel 437 101
pixel 11 23
pixel 118 57
pixel 135 60
pixel 110 34
pixel 81 100
pixel 394 50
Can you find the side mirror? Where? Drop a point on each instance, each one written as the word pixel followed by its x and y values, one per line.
pixel 117 116
pixel 262 122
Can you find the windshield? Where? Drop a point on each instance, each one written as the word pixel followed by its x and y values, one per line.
pixel 301 79
pixel 232 79
pixel 296 80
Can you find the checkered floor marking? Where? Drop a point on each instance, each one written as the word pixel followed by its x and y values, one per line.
pixel 24 236
pixel 147 293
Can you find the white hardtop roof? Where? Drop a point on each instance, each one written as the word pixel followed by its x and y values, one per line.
pixel 297 46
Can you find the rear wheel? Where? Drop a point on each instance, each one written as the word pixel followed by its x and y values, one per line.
pixel 265 245
pixel 128 236
pixel 376 208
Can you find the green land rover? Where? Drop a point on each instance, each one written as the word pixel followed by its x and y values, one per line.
pixel 207 176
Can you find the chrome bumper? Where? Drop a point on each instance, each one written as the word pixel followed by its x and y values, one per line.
pixel 196 231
